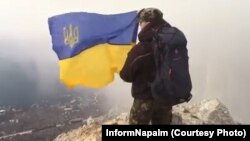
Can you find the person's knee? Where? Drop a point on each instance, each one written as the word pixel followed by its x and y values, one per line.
pixel 141 112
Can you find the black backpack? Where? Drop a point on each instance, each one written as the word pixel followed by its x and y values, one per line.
pixel 172 84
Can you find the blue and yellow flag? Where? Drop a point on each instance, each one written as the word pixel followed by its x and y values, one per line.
pixel 92 47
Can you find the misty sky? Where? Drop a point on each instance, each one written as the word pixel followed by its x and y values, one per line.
pixel 218 34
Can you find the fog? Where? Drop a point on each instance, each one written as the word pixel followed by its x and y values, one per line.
pixel 218 34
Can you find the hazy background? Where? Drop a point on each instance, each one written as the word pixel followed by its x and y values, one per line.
pixel 218 34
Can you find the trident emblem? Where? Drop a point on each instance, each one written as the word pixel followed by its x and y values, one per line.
pixel 71 35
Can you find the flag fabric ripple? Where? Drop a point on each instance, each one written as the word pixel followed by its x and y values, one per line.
pixel 92 47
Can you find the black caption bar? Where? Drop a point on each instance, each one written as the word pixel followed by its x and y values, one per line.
pixel 175 132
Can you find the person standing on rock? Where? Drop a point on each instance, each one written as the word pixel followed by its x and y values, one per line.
pixel 139 69
pixel 158 69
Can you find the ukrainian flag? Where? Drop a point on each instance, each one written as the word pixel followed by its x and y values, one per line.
pixel 92 47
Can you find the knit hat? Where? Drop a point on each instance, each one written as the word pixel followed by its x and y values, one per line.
pixel 150 14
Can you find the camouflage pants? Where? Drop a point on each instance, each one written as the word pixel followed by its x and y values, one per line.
pixel 146 111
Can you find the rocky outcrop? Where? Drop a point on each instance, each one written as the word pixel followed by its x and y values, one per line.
pixel 205 112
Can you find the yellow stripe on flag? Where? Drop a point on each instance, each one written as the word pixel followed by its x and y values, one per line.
pixel 95 66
